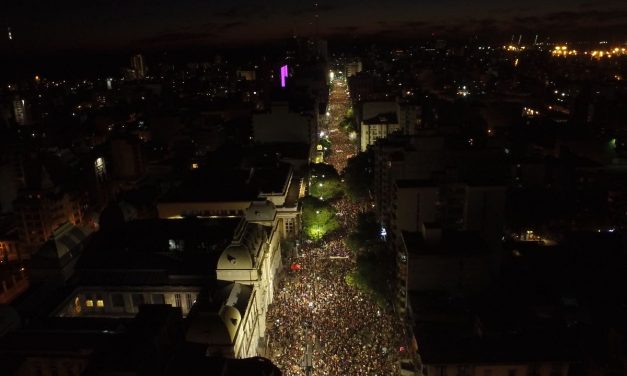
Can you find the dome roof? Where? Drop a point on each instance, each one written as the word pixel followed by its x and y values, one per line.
pixel 261 211
pixel 235 257
pixel 209 328
pixel 231 318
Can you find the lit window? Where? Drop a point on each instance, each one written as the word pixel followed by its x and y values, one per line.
pixel 100 303
pixel 89 303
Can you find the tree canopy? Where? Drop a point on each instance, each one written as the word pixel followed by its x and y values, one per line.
pixel 325 182
pixel 358 175
pixel 318 218
pixel 326 146
pixel 374 266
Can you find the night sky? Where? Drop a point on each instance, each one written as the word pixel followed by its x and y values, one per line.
pixel 47 25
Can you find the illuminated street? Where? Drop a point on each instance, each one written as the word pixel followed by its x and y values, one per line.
pixel 319 325
pixel 342 147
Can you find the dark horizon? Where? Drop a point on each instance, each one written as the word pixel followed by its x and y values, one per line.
pixel 132 26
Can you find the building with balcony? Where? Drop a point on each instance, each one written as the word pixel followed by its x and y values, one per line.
pixel 457 263
pixel 200 196
pixel 229 266
pixel 40 212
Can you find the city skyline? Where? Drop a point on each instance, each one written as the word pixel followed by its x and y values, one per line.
pixel 351 188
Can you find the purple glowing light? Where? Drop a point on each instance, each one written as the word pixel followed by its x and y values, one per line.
pixel 283 75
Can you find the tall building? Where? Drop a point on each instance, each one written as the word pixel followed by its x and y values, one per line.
pixel 9 186
pixel 139 69
pixel 281 124
pixel 126 157
pixel 220 272
pixel 353 68
pixel 376 120
pixel 468 182
pixel 19 111
pixel 434 196
pixel 378 127
pixel 40 212
pixel 409 117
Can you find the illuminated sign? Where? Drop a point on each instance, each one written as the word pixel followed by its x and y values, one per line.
pixel 283 75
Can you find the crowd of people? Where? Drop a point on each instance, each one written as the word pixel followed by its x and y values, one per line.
pixel 315 309
pixel 318 324
pixel 342 147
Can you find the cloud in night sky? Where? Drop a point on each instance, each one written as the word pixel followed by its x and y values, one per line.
pixel 176 37
pixel 99 24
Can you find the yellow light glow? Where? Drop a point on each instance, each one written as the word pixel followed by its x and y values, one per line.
pixel 194 166
pixel 89 303
pixel 100 303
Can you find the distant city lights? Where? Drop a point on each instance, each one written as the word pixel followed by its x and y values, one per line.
pixel 530 112
pixel 564 51
pixel 513 48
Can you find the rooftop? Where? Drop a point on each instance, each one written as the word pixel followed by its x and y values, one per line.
pixel 383 118
pixel 230 185
pixel 148 251
pixel 415 183
pixel 293 150
pixel 452 243
pixel 448 343
pixel 453 330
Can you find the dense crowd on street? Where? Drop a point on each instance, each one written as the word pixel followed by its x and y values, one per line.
pixel 350 334
pixel 316 315
pixel 342 147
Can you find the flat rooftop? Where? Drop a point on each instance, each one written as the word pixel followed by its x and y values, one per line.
pixel 206 185
pixel 148 251
pixel 453 243
pixel 463 343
